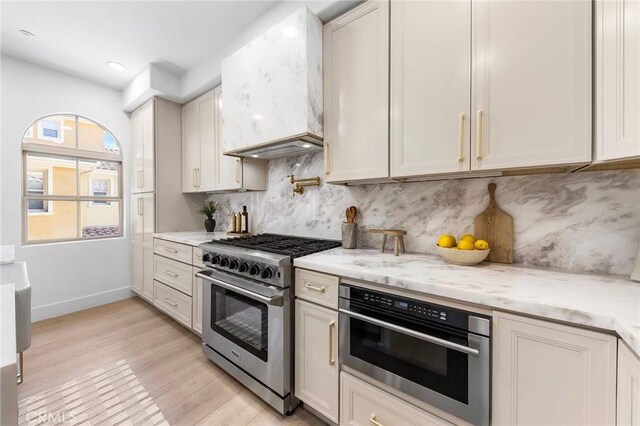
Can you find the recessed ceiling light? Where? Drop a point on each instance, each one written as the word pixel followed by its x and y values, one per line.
pixel 306 145
pixel 255 155
pixel 26 33
pixel 116 66
pixel 257 117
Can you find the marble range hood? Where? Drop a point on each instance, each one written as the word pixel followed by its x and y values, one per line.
pixel 272 91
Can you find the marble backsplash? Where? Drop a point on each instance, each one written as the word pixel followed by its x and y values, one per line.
pixel 583 222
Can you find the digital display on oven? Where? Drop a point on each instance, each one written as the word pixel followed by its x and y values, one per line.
pixel 401 305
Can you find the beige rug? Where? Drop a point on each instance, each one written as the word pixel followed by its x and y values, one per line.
pixel 109 396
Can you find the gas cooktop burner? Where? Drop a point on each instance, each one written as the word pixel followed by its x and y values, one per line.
pixel 281 244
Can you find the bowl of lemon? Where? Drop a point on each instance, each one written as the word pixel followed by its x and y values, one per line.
pixel 467 251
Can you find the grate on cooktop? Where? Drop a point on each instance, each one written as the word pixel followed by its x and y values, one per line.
pixel 281 244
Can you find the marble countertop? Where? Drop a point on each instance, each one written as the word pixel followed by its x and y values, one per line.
pixel 600 301
pixel 192 238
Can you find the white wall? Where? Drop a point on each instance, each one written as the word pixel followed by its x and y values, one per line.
pixel 65 277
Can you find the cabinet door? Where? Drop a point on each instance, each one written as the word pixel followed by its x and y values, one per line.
pixel 147 265
pixel 148 147
pixel 149 219
pixel 316 358
pixel 356 94
pixel 617 79
pixel 430 87
pixel 197 302
pixel 531 80
pixel 138 151
pixel 207 119
pixel 229 168
pixel 137 267
pixel 550 374
pixel 628 387
pixel 190 146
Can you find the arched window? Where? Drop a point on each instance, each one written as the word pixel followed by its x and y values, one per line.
pixel 72 181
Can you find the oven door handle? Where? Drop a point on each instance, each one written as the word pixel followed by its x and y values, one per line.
pixel 269 300
pixel 427 338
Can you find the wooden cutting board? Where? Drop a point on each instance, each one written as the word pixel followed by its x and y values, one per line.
pixel 495 226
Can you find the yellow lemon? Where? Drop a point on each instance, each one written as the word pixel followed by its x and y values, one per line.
pixel 481 245
pixel 465 245
pixel 447 241
pixel 468 237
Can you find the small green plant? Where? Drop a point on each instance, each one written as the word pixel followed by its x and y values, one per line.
pixel 209 208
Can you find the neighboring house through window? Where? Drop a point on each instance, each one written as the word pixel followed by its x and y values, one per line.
pixel 51 129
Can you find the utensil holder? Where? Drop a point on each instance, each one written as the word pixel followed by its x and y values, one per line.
pixel 349 235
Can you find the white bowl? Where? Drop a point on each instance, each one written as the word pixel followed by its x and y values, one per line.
pixel 463 257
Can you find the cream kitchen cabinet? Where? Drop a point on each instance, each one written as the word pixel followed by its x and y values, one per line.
pixel 197 301
pixel 317 372
pixel 551 374
pixel 142 228
pixel 531 79
pixel 204 166
pixel 628 412
pixel 617 72
pixel 356 94
pixel 430 87
pixel 143 125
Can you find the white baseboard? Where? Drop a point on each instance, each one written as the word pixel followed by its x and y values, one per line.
pixel 52 310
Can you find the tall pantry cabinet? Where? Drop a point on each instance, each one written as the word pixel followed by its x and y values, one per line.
pixel 157 202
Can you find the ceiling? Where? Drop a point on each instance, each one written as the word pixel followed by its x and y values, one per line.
pixel 79 37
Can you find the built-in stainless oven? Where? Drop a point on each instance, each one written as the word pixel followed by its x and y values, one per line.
pixel 437 354
pixel 246 330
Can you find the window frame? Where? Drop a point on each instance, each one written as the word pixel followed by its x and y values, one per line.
pixel 77 155
pixel 47 189
pixel 60 138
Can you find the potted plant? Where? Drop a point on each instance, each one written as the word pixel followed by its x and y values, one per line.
pixel 208 209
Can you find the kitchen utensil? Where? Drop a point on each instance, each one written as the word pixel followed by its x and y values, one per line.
pixel 463 257
pixel 349 235
pixel 398 241
pixel 635 274
pixel 496 226
pixel 351 214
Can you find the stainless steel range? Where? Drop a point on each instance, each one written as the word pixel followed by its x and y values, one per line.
pixel 247 324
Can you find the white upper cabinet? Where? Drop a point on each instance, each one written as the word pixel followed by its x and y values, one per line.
pixel 356 94
pixel 273 86
pixel 198 144
pixel 430 87
pixel 617 79
pixel 229 173
pixel 142 122
pixel 531 80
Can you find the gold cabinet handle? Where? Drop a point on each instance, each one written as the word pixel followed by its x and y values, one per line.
pixel 313 287
pixel 141 178
pixel 479 134
pixel 461 138
pixel 140 207
pixel 170 250
pixel 193 177
pixel 171 302
pixel 373 421
pixel 199 175
pixel 326 158
pixel 332 325
pixel 170 273
pixel 237 170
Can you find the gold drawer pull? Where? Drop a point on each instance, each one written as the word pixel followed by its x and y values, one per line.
pixel 170 250
pixel 171 274
pixel 479 134
pixel 332 325
pixel 313 287
pixel 373 421
pixel 171 302
pixel 461 138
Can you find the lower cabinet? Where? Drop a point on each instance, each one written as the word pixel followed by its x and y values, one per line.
pixel 362 404
pixel 196 321
pixel 174 303
pixel 628 387
pixel 550 374
pixel 316 358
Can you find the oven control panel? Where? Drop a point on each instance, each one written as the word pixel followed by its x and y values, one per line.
pixel 269 274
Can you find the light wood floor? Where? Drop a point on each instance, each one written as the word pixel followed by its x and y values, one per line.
pixel 167 359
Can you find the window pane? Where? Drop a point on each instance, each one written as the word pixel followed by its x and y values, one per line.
pixel 58 175
pixel 59 222
pixel 55 130
pixel 92 137
pixel 99 178
pixel 100 219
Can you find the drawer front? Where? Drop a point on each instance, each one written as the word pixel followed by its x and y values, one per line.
pixel 172 273
pixel 197 258
pixel 319 288
pixel 176 251
pixel 172 302
pixel 365 405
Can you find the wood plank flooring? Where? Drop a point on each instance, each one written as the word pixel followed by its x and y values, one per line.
pixel 166 357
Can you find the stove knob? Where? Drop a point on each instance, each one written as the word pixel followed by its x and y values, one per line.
pixel 206 257
pixel 255 270
pixel 266 274
pixel 224 262
pixel 244 267
pixel 215 260
pixel 234 264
